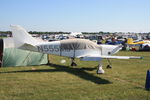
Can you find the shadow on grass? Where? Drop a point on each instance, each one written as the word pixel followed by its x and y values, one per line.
pixel 80 72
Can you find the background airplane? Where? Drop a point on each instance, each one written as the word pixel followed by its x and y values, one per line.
pixel 83 49
pixel 130 41
pixel 138 45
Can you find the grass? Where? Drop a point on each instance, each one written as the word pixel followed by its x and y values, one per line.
pixel 125 81
pixel 1 37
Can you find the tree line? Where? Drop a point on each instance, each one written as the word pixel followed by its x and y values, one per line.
pixel 40 33
pixel 35 32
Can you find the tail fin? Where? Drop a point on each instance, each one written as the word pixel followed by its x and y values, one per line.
pixel 130 41
pixel 22 37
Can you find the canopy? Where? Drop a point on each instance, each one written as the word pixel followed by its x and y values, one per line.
pixel 78 44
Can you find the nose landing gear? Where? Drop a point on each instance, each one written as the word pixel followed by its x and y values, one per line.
pixel 100 68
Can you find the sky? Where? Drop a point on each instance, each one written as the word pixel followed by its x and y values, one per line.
pixel 76 15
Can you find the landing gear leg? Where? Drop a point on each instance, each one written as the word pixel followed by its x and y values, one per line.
pixel 73 62
pixel 109 65
pixel 100 68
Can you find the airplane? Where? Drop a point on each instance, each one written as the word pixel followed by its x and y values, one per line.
pixel 131 42
pixel 75 33
pixel 83 49
pixel 139 45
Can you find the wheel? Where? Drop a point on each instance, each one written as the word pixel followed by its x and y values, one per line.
pixel 73 64
pixel 108 66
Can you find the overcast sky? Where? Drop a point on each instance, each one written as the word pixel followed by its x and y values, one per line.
pixel 76 15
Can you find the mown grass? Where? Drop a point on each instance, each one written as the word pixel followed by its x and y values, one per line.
pixel 125 81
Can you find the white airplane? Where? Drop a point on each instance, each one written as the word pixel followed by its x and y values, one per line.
pixel 75 33
pixel 83 49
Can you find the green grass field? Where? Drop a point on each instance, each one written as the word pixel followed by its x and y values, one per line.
pixel 125 81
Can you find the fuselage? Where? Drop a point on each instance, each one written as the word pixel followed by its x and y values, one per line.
pixel 75 48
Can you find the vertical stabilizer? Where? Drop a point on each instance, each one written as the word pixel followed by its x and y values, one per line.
pixel 22 37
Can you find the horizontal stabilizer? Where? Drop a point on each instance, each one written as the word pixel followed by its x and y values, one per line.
pixel 28 47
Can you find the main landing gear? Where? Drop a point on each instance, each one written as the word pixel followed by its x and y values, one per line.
pixel 109 64
pixel 99 69
pixel 73 62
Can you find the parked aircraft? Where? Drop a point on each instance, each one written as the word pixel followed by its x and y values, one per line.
pixel 83 49
pixel 75 33
pixel 131 42
pixel 138 45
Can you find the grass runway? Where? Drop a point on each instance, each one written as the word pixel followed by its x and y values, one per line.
pixel 57 81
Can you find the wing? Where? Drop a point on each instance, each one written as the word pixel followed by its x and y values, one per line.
pixel 98 58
